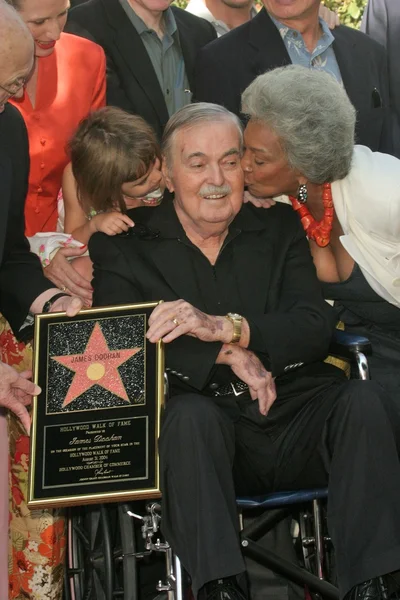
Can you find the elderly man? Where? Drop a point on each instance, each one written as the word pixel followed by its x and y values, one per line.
pixel 287 32
pixel 150 48
pixel 252 408
pixel 23 287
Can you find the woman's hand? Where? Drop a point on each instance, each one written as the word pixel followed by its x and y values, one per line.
pixel 111 223
pixel 16 392
pixel 248 367
pixel 169 320
pixel 258 202
pixel 61 272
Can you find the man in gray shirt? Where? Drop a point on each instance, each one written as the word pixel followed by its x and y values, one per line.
pixel 150 48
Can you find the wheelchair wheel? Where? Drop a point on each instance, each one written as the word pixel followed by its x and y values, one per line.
pixel 100 561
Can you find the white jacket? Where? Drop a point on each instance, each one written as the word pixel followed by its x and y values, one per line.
pixel 367 204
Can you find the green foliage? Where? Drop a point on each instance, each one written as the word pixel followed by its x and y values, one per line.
pixel 350 11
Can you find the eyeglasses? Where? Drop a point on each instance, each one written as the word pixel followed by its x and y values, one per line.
pixel 14 89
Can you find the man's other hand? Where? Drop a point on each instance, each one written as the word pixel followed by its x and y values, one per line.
pixel 250 369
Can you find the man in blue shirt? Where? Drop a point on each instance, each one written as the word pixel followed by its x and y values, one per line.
pixel 290 31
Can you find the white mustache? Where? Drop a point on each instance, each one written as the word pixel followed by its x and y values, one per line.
pixel 210 190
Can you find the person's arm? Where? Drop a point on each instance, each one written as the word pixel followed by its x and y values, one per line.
pixel 116 94
pixel 78 225
pixel 75 221
pixel 99 92
pixel 21 275
pixel 375 21
pixel 301 329
pixel 116 280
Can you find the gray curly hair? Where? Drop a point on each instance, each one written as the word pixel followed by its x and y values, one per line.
pixel 311 114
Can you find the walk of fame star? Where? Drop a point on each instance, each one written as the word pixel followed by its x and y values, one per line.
pixel 97 365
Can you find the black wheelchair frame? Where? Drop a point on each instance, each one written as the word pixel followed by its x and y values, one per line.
pixel 103 553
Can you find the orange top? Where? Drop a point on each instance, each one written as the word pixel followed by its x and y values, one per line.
pixel 71 82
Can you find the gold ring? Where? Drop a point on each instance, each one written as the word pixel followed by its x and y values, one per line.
pixel 175 322
pixel 63 288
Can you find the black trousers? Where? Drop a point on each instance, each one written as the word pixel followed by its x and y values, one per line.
pixel 319 431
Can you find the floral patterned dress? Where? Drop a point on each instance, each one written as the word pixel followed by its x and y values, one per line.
pixel 36 538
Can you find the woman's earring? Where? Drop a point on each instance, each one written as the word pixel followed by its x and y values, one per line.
pixel 302 194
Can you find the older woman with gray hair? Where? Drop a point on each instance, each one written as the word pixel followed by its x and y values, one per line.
pixel 300 143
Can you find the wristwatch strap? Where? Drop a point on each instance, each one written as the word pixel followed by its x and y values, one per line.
pixel 47 305
pixel 237 327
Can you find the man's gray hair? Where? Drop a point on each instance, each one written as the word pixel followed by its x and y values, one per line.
pixel 15 36
pixel 312 116
pixel 193 115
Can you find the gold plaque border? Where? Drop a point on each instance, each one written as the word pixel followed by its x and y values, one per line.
pixel 96 498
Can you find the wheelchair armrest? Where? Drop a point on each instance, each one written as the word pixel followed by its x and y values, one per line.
pixel 348 345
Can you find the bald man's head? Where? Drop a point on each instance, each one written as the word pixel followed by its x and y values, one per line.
pixel 16 51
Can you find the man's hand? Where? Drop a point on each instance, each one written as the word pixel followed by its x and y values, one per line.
pixel 170 320
pixel 70 304
pixel 329 16
pixel 250 369
pixel 64 276
pixel 258 202
pixel 111 223
pixel 16 392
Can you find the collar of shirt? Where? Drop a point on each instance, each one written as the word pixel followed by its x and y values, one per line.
pixel 198 8
pixel 164 220
pixel 140 25
pixel 293 38
pixel 322 58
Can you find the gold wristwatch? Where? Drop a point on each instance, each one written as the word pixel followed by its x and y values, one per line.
pixel 236 321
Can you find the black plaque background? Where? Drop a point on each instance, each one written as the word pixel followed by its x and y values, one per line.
pixel 43 466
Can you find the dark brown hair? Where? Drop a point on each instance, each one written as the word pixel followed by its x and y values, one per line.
pixel 110 147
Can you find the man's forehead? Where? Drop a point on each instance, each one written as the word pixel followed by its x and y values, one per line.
pixel 16 63
pixel 216 138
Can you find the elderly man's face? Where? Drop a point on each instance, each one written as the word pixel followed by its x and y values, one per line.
pixel 266 170
pixel 15 68
pixel 206 175
pixel 286 10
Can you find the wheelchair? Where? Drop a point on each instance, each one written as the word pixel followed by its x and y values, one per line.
pixel 105 543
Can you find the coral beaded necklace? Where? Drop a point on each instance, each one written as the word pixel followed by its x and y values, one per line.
pixel 319 231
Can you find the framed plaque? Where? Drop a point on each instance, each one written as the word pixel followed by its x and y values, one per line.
pixel 96 423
